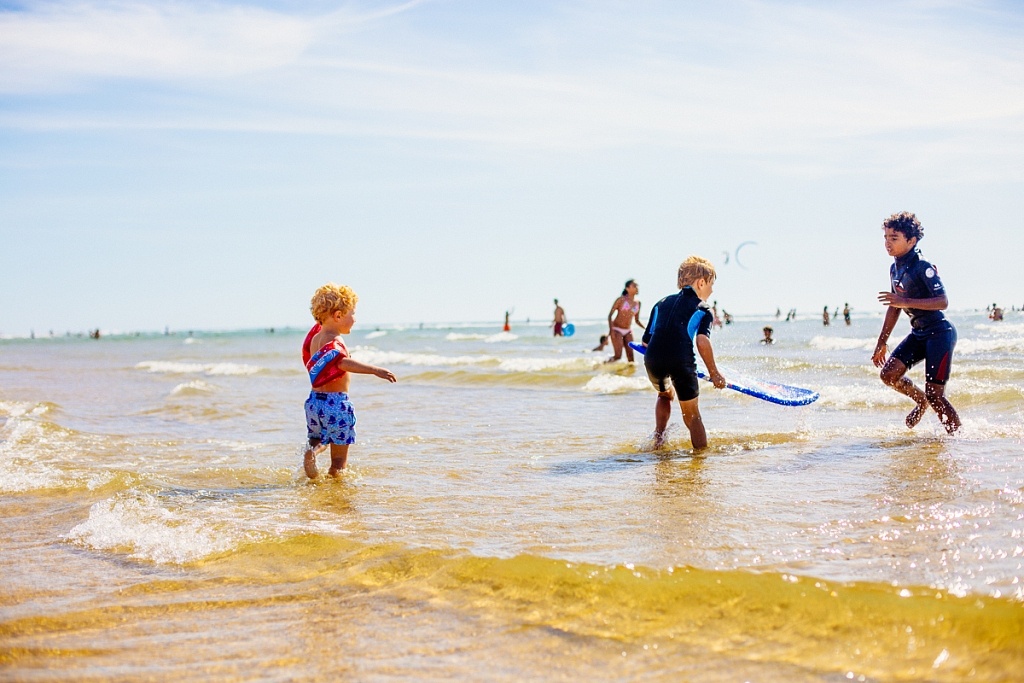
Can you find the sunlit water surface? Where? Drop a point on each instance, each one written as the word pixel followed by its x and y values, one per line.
pixel 504 517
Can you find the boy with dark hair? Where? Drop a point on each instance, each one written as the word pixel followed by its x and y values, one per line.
pixel 916 289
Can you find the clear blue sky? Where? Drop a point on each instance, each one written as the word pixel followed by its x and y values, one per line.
pixel 207 165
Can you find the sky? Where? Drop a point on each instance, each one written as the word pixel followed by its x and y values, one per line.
pixel 207 165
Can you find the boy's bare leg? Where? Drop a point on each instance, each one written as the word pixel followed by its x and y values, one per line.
pixel 662 412
pixel 309 459
pixel 947 414
pixel 693 422
pixel 893 375
pixel 339 456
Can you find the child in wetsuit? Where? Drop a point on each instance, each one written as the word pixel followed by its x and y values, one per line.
pixel 677 323
pixel 330 419
pixel 916 289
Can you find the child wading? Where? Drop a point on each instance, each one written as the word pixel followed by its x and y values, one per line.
pixel 916 289
pixel 330 419
pixel 677 323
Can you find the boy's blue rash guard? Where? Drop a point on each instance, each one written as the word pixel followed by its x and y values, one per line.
pixel 675 323
pixel 914 278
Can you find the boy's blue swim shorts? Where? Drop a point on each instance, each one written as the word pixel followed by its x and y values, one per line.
pixel 330 418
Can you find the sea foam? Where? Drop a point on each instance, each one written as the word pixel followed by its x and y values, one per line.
pixel 185 368
pixel 823 343
pixel 617 384
pixel 140 526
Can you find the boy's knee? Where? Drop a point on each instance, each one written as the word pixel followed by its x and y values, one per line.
pixel 890 376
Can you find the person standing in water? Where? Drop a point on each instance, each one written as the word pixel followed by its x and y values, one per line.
pixel 678 323
pixel 559 320
pixel 624 312
pixel 330 420
pixel 916 289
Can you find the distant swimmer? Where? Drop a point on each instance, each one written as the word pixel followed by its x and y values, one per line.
pixel 846 313
pixel 625 311
pixel 559 320
pixel 997 313
pixel 507 328
pixel 768 339
pixel 825 318
pixel 330 419
pixel 677 323
pixel 916 289
pixel 601 343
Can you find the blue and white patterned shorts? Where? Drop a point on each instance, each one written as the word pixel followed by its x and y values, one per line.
pixel 330 418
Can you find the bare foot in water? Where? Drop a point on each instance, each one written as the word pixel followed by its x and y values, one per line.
pixel 915 415
pixel 309 463
pixel 658 440
pixel 950 422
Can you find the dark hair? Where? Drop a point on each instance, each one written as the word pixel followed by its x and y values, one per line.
pixel 906 223
pixel 625 287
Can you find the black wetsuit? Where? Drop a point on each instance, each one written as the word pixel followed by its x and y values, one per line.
pixel 674 325
pixel 932 337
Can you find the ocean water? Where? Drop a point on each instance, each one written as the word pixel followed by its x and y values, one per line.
pixel 503 517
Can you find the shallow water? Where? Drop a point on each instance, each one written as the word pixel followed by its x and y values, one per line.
pixel 503 517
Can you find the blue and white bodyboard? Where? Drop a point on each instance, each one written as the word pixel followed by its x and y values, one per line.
pixel 773 392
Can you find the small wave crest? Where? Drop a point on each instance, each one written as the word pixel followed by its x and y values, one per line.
pixel 970 347
pixel 823 343
pixel 386 358
pixel 185 368
pixel 376 334
pixel 138 525
pixel 20 408
pixel 616 384
pixel 548 364
pixel 31 456
pixel 486 338
pixel 457 336
pixel 1002 328
pixel 193 388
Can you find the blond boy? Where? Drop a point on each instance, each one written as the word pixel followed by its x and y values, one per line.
pixel 330 419
pixel 677 323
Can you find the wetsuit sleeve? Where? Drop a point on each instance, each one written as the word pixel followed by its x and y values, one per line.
pixel 651 323
pixel 700 323
pixel 928 280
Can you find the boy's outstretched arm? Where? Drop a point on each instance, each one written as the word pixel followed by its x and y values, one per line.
pixel 707 354
pixel 349 365
pixel 891 316
pixel 935 303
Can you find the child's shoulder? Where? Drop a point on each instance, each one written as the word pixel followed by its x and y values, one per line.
pixel 323 338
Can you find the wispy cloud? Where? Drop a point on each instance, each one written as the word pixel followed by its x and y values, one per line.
pixel 68 45
pixel 748 77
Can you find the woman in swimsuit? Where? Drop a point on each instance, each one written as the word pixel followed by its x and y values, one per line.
pixel 625 311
